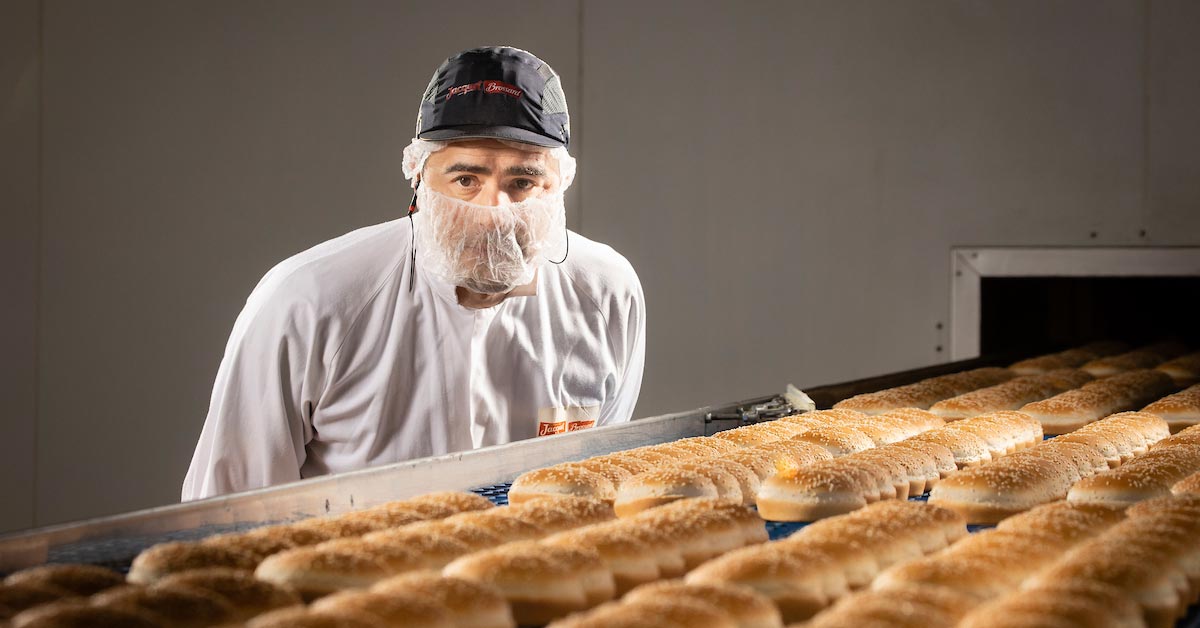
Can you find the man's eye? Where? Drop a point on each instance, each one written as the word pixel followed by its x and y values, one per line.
pixel 465 181
pixel 524 184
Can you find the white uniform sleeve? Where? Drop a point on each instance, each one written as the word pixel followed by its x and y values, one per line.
pixel 260 415
pixel 627 335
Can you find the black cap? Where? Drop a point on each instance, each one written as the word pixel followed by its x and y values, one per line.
pixel 496 92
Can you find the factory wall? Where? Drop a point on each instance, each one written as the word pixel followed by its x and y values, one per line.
pixel 788 179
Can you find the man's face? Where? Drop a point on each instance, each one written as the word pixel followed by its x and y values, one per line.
pixel 487 172
pixel 490 208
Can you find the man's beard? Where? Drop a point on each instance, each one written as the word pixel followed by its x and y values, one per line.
pixel 488 249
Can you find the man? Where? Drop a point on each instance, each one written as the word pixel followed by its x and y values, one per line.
pixel 478 319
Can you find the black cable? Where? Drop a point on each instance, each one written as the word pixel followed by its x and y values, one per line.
pixel 567 238
pixel 412 232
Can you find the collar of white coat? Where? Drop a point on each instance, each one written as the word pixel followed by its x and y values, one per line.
pixel 447 291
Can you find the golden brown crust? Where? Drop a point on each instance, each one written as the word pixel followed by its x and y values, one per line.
pixel 247 595
pixel 1150 475
pixel 347 525
pixel 741 603
pixel 925 393
pixel 288 534
pixel 988 493
pixel 968 449
pixel 464 599
pixel 661 486
pixel 728 486
pixel 167 558
pixel 454 501
pixel 432 550
pixel 1128 361
pixel 810 494
pixel 473 536
pixel 629 463
pixel 1185 369
pixel 677 612
pixel 561 480
pixel 1073 409
pixel 391 608
pixel 556 514
pixel 941 455
pixel 745 436
pixel 75 579
pixel 793 452
pixel 1181 410
pixel 1188 485
pixel 19 596
pixel 500 522
pixel 74 616
pixel 1010 395
pixel 259 546
pixel 540 584
pixel 614 472
pixel 175 606
pixel 837 440
pixel 653 458
pixel 316 571
pixel 1069 359
pixel 304 618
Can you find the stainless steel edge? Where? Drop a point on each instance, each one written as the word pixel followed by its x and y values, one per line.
pixel 119 537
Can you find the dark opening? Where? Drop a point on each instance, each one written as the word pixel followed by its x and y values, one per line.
pixel 1029 315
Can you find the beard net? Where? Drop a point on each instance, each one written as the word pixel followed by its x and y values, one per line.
pixel 484 248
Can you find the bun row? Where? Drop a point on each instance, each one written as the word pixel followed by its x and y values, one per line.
pixel 575 571
pixel 925 393
pixel 939 590
pixel 1046 472
pixel 1153 474
pixel 1141 358
pixel 425 599
pixel 163 581
pixel 1180 410
pixel 89 595
pixel 811 440
pixel 1010 395
pixel 1069 359
pixel 1142 571
pixel 677 604
pixel 825 561
pixel 729 465
pixel 893 471
pixel 1185 369
pixel 1073 409
pixel 245 550
pixel 359 562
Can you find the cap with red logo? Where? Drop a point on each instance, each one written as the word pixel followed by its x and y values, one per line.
pixel 497 92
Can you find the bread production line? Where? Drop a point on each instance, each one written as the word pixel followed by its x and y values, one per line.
pixel 874 452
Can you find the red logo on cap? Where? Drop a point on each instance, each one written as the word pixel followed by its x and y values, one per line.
pixel 488 87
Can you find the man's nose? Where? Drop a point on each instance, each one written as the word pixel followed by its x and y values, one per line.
pixel 491 194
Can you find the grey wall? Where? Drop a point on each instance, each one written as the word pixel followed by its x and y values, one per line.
pixel 786 177
pixel 19 212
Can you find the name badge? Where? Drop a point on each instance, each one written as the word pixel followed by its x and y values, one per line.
pixel 569 419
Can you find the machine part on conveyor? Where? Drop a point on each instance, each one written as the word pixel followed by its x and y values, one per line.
pixel 773 408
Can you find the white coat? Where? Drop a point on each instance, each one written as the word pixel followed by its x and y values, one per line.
pixel 335 365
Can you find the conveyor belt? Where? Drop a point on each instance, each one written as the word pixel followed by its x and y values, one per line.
pixel 498 494
pixel 114 541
